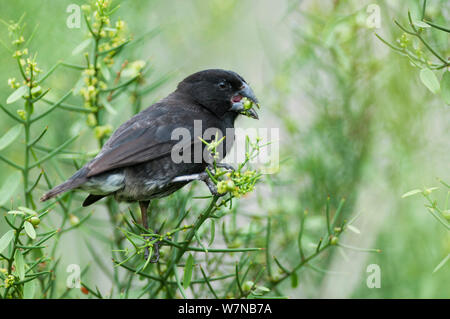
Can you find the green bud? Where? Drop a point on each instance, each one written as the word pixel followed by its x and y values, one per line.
pixel 230 185
pixel 334 240
pixel 247 286
pixel 222 187
pixel 22 114
pixel 74 220
pixel 9 281
pixel 91 120
pixel 102 131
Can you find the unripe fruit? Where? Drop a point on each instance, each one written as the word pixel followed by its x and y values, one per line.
pixel 247 104
pixel 334 240
pixel 74 220
pixel 230 185
pixel 35 221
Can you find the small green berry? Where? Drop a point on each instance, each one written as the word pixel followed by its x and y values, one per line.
pixel 334 240
pixel 35 221
pixel 230 185
pixel 248 104
pixel 74 220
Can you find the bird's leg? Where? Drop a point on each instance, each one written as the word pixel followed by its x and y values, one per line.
pixel 226 166
pixel 204 177
pixel 155 257
pixel 144 207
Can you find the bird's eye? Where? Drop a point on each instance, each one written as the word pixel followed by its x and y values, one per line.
pixel 223 85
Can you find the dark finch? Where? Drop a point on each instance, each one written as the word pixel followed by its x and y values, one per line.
pixel 135 164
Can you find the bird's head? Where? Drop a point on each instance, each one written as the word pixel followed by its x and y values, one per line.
pixel 220 91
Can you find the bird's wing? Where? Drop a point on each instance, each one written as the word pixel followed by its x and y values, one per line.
pixel 147 136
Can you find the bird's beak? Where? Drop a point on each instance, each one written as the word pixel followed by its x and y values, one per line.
pixel 239 106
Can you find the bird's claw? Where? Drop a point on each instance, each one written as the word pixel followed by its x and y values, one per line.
pixel 213 190
pixel 226 166
pixel 155 257
pixel 206 178
pixel 146 253
pixel 212 187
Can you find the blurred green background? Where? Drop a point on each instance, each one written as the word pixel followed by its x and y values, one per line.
pixel 354 118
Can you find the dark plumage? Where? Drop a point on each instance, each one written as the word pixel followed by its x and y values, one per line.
pixel 135 164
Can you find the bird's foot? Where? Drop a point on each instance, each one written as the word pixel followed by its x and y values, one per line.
pixel 226 166
pixel 208 181
pixel 204 177
pixel 155 257
pixel 146 253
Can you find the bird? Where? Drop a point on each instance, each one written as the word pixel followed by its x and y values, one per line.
pixel 136 163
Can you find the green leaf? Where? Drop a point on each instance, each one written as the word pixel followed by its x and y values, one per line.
pixel 6 239
pixel 17 94
pixel 15 212
pixel 262 288
pixel 20 264
pixel 105 72
pixel 440 218
pixel 430 80
pixel 29 229
pixel 413 192
pixel 213 232
pixel 109 107
pixel 188 271
pixel 77 87
pixel 36 89
pixel 354 229
pixel 27 210
pixel 445 87
pixel 294 280
pixel 10 136
pixel 442 263
pixel 430 190
pixel 83 45
pixel 9 187
pixel 28 289
pixel 421 24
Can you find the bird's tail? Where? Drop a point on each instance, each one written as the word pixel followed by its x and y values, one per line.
pixel 76 180
pixel 64 187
